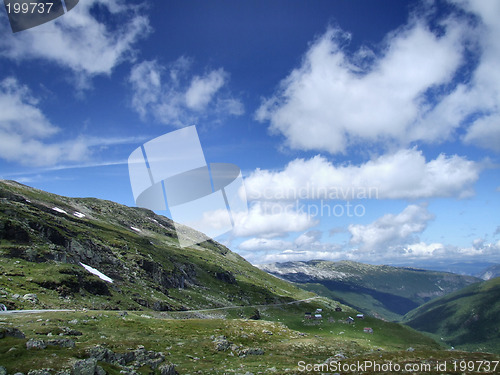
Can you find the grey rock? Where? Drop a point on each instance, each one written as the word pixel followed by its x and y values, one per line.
pixel 410 349
pixel 36 344
pixel 102 354
pixel 11 332
pixel 250 351
pixel 99 371
pixel 31 297
pixel 221 343
pixel 45 371
pixel 63 343
pixel 167 369
pixel 71 332
pixel 3 370
pixel 84 367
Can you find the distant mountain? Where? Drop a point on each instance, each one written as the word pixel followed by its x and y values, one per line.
pixel 382 291
pixel 490 272
pixel 471 268
pixel 466 319
pixel 59 252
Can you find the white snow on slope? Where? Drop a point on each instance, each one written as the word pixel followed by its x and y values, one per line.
pixel 97 273
pixel 136 229
pixel 79 214
pixel 57 209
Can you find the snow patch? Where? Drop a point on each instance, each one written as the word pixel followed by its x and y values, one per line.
pixel 57 209
pixel 97 273
pixel 79 214
pixel 136 229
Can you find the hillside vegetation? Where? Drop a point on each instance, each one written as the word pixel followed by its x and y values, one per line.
pixel 45 239
pixel 466 319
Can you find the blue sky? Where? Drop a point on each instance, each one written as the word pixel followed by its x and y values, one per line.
pixel 390 109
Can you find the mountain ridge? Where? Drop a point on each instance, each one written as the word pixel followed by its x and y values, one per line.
pixel 388 292
pixel 45 239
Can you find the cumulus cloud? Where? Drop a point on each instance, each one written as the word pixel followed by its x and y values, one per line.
pixel 438 251
pixel 167 94
pixel 332 100
pixel 402 175
pixel 481 96
pixel 24 130
pixel 272 219
pixel 79 41
pixel 202 89
pixel 292 255
pixel 413 89
pixel 26 134
pixel 390 229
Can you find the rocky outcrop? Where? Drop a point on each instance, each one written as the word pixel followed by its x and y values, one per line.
pixel 42 344
pixel 226 276
pixel 133 360
pixel 87 367
pixel 11 332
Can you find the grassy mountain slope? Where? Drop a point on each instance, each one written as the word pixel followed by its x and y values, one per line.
pixel 45 237
pixel 191 300
pixel 466 319
pixel 382 291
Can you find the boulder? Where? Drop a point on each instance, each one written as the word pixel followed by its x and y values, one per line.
pixel 221 343
pixel 45 371
pixel 36 344
pixel 167 369
pixel 31 297
pixel 84 367
pixel 63 343
pixel 11 332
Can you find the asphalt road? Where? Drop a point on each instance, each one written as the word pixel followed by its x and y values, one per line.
pixel 9 312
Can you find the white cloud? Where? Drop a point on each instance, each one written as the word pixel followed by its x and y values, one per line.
pixel 485 132
pixel 415 89
pixel 391 239
pixel 80 42
pixel 253 244
pixel 26 133
pixel 170 97
pixel 391 230
pixel 402 175
pixel 24 130
pixel 202 89
pixel 481 96
pixel 271 219
pixel 479 248
pixel 334 99
pixel 291 256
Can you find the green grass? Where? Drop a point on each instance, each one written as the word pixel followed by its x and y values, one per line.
pixel 189 345
pixel 467 319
